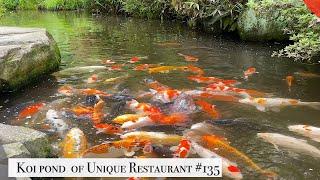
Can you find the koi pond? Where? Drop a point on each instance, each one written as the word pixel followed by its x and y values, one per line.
pixel 203 92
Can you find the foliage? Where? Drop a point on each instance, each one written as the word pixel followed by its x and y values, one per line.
pixel 63 4
pixel 299 23
pixel 109 6
pixel 209 12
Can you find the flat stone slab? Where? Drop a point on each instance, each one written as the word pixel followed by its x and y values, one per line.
pixel 25 55
pixel 35 142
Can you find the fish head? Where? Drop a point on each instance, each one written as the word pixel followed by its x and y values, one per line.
pixel 232 171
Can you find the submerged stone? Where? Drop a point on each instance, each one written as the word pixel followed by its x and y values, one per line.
pixel 26 54
pixel 35 142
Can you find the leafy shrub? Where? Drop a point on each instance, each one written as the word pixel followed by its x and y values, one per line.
pixel 208 12
pixel 10 4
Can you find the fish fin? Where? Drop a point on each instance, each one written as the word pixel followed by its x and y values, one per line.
pixel 153 91
pixel 129 153
pixel 314 105
pixel 173 148
pixel 317 139
pixel 261 108
pixel 276 147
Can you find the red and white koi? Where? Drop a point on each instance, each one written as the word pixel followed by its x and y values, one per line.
pixel 142 108
pixel 250 71
pixel 183 149
pixel 108 129
pixel 165 96
pixel 208 108
pixel 220 87
pixel 210 80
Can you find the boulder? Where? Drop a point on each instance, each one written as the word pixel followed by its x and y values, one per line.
pixel 26 54
pixel 32 141
pixel 13 150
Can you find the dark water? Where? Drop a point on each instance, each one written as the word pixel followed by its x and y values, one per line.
pixel 85 41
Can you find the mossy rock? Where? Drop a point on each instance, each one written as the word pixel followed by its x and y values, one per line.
pixel 255 24
pixel 26 54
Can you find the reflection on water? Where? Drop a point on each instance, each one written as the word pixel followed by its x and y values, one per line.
pixel 87 41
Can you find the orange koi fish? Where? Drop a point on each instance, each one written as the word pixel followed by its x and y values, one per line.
pixel 80 110
pixel 98 115
pixel 108 129
pixel 210 80
pixel 219 87
pixel 89 92
pixel 165 69
pixel 289 80
pixel 194 69
pixel 189 58
pixel 157 85
pixel 116 67
pixel 134 59
pixel 108 61
pixel 142 108
pixel 66 90
pixel 126 117
pixel 250 71
pixel 183 149
pixel 165 96
pixel 217 96
pixel 74 144
pixel 123 147
pixel 92 79
pixel 143 67
pixel 158 138
pixel 30 111
pixel 208 108
pixel 220 146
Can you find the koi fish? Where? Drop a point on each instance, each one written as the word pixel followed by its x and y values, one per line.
pixel 193 69
pixel 313 6
pixel 165 96
pixel 183 149
pixel 159 138
pixel 80 110
pixel 116 67
pixel 307 74
pixel 74 144
pixel 274 104
pixel 210 80
pixel 115 79
pixel 222 147
pixel 142 108
pixel 208 108
pixel 165 69
pixel 126 118
pixel 98 115
pixel 217 96
pixel 229 169
pixel 290 143
pixel 143 67
pixel 108 61
pixel 156 119
pixel 123 147
pixel 307 131
pixel 29 111
pixel 134 59
pixel 189 58
pixel 92 79
pixel 55 123
pixel 156 85
pixel 250 71
pixel 219 87
pixel 108 129
pixel 289 80
pixel 66 90
pixel 89 92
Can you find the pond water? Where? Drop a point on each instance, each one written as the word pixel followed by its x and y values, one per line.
pixel 85 40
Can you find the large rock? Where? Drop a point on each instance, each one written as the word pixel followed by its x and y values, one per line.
pixel 25 55
pixel 260 22
pixel 35 142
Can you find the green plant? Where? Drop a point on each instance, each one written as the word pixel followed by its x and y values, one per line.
pixel 147 8
pixel 10 4
pixel 209 13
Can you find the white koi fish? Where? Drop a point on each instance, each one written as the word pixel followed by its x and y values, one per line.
pixel 307 131
pixel 229 169
pixel 290 143
pixel 274 104
pixel 55 123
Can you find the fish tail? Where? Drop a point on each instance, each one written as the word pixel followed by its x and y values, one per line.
pixel 269 174
pixel 314 105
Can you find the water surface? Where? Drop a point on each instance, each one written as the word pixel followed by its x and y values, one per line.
pixel 85 40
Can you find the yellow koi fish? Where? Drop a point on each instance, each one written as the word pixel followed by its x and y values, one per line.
pixel 74 144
